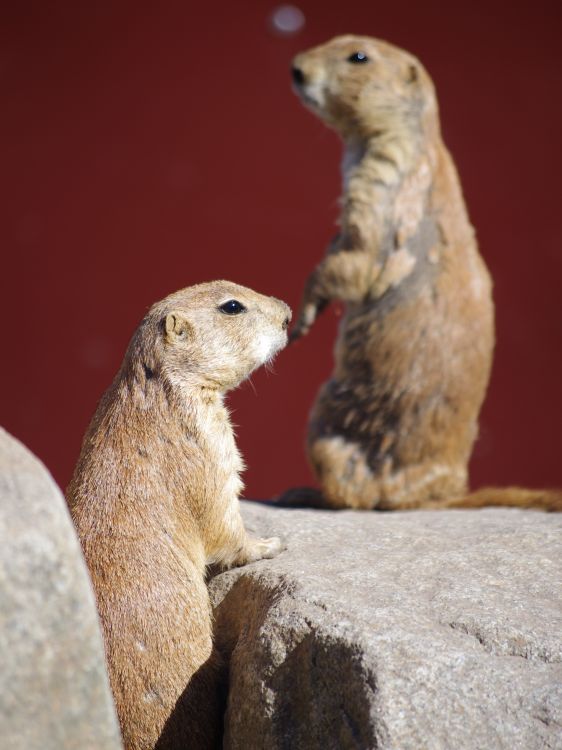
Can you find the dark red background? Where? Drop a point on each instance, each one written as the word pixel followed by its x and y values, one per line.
pixel 149 148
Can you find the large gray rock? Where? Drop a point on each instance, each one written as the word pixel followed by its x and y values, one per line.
pixel 54 691
pixel 411 631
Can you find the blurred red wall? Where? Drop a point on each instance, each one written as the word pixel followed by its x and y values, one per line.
pixel 148 148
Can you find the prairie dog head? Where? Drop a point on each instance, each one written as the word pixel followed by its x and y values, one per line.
pixel 212 335
pixel 362 86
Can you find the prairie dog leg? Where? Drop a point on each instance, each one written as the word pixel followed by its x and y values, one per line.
pixel 349 482
pixel 236 547
pixel 344 275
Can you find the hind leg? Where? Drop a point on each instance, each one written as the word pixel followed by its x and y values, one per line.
pixel 349 482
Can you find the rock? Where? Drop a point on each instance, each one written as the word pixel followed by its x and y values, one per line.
pixel 54 691
pixel 412 630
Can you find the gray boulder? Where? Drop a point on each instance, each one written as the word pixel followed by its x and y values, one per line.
pixel 54 691
pixel 411 631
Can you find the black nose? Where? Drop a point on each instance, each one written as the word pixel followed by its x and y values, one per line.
pixel 286 323
pixel 298 76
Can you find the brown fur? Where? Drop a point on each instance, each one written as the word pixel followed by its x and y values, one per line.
pixel 395 425
pixel 154 498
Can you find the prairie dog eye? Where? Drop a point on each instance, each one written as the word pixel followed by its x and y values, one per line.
pixel 358 57
pixel 232 307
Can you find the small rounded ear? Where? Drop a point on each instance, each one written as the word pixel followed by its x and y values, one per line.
pixel 176 326
pixel 412 74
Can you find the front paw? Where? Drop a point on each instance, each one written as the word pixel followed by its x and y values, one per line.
pixel 304 323
pixel 266 548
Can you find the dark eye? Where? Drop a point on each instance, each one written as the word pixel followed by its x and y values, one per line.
pixel 358 57
pixel 232 307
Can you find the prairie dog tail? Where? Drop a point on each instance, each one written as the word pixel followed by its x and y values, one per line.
pixel 513 497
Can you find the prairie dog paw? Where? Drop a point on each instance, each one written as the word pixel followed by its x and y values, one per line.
pixel 307 317
pixel 309 314
pixel 272 546
pixel 266 548
pixel 304 323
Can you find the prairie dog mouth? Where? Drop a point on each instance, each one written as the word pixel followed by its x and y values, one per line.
pixel 310 101
pixel 311 95
pixel 268 346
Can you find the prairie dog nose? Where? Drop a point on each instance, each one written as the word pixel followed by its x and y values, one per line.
pixel 287 315
pixel 298 76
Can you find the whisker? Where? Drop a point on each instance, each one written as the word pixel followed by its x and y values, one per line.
pixel 251 382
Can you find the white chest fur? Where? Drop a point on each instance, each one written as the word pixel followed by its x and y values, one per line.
pixel 217 435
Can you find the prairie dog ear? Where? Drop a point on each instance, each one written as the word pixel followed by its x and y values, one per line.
pixel 176 326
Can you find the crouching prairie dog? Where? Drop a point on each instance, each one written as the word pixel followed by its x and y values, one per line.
pixel 154 499
pixel 395 424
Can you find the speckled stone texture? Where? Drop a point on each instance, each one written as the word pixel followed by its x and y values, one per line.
pixel 411 631
pixel 54 691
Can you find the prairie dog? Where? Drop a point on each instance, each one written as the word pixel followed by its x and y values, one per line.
pixel 154 499
pixel 395 425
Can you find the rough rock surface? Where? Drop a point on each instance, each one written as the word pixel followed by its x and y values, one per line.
pixel 54 691
pixel 411 631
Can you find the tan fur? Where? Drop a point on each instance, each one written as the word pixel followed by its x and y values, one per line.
pixel 395 425
pixel 154 498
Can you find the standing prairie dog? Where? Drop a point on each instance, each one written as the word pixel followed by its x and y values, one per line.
pixel 395 425
pixel 154 498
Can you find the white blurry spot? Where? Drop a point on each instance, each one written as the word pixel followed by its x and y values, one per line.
pixel 287 20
